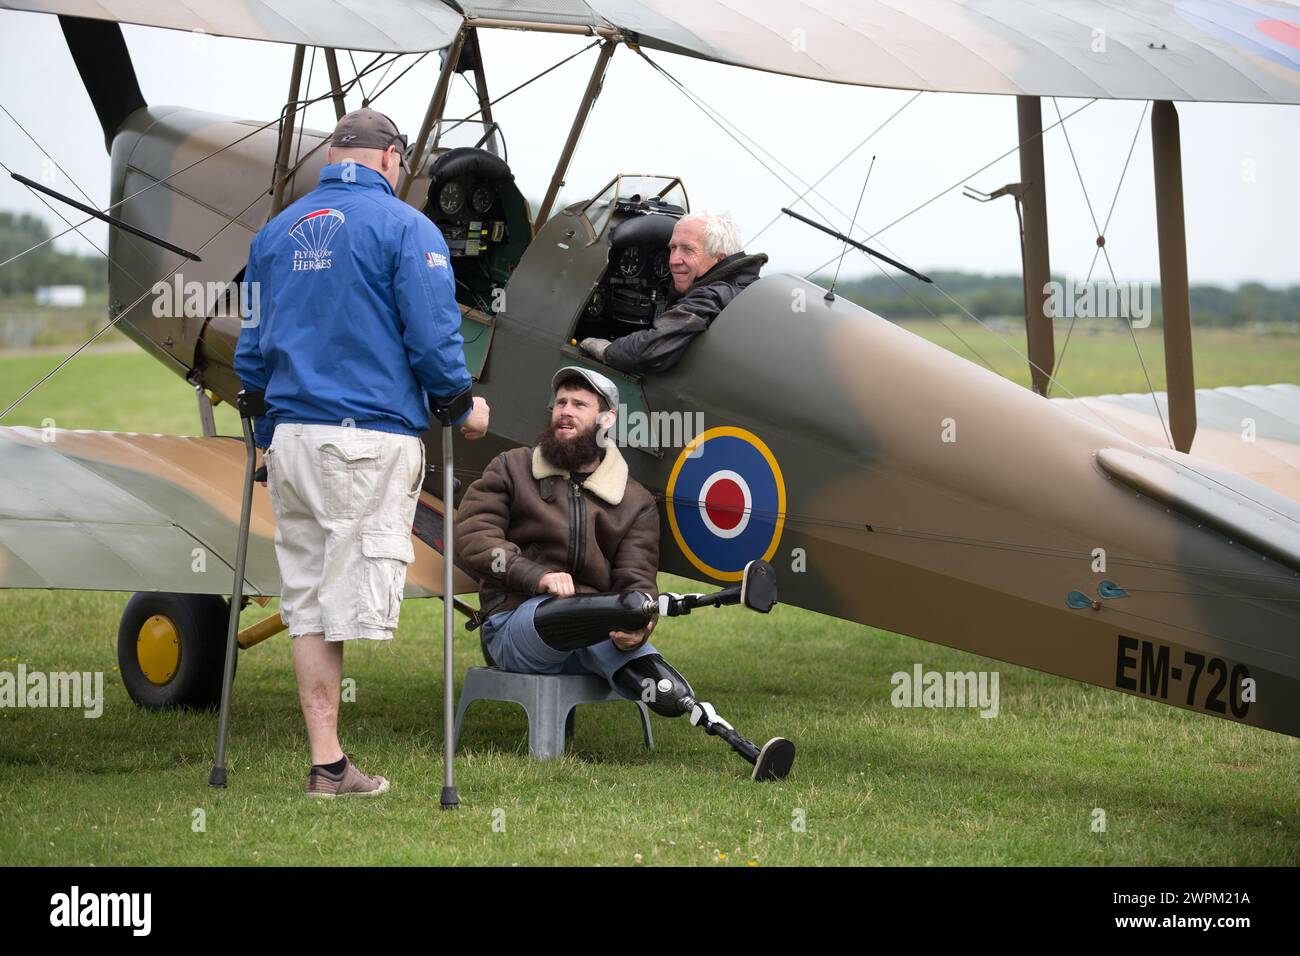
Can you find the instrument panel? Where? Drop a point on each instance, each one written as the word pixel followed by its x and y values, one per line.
pixel 452 197
pixel 483 217
pixel 648 261
pixel 464 213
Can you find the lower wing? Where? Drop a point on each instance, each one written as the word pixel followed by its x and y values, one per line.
pixel 112 511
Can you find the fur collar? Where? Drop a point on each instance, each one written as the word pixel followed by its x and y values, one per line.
pixel 608 482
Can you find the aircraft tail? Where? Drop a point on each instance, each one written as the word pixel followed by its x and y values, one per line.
pixel 99 50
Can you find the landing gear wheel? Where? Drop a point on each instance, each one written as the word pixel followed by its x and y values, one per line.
pixel 774 760
pixel 171 649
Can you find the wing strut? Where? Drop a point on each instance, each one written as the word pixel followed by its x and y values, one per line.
pixel 1171 232
pixel 1037 267
pixel 437 104
pixel 579 121
pixel 336 84
pixel 480 88
pixel 288 116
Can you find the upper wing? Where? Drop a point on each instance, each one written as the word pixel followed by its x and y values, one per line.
pixel 384 26
pixel 1245 51
pixel 125 512
pixel 1213 50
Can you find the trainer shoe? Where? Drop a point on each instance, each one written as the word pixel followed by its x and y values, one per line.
pixel 350 783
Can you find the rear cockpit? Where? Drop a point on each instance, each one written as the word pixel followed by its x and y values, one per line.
pixel 635 224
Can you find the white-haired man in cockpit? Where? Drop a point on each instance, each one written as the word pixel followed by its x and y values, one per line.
pixel 709 269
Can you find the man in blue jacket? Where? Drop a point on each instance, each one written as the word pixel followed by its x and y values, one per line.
pixel 355 333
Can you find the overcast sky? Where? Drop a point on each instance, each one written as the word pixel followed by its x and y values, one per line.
pixel 1239 162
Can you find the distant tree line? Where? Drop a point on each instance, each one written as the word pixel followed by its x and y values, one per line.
pixel 901 297
pixel 46 265
pixel 892 297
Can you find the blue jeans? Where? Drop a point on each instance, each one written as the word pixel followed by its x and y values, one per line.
pixel 515 645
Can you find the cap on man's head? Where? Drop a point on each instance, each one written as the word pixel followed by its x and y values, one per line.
pixel 368 129
pixel 586 378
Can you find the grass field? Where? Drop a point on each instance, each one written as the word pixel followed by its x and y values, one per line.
pixel 1099 362
pixel 24 323
pixel 873 784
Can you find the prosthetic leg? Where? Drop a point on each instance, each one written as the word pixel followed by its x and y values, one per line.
pixel 665 691
pixel 571 623
pixel 582 620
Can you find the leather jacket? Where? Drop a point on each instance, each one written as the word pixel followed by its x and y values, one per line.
pixel 524 517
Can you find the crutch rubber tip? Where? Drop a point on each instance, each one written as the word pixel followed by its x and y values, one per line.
pixel 217 778
pixel 449 799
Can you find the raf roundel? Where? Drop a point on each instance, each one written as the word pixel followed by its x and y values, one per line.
pixel 1267 30
pixel 726 502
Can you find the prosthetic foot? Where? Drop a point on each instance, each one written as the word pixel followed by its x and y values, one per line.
pixel 665 691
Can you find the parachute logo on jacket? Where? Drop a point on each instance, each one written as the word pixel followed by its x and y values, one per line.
pixel 312 233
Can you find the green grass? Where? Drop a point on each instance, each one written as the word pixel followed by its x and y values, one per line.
pixel 1097 362
pixel 24 323
pixel 874 784
pixel 111 391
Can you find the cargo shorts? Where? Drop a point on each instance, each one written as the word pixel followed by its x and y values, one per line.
pixel 344 502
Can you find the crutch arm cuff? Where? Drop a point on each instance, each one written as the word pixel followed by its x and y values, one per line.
pixel 251 403
pixel 452 411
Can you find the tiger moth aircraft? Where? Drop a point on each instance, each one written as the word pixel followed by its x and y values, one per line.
pixel 1131 542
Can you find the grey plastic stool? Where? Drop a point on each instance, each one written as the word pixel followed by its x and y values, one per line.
pixel 548 699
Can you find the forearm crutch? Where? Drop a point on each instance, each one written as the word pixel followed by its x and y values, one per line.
pixel 251 405
pixel 446 413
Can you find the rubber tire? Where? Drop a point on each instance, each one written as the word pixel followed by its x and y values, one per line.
pixel 200 621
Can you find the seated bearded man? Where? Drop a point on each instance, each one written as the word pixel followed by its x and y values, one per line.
pixel 544 527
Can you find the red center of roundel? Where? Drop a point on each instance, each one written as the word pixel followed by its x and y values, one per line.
pixel 725 504
pixel 1280 30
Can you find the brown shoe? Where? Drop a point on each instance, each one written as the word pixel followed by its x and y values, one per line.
pixel 350 783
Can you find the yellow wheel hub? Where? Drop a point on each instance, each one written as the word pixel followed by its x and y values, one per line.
pixel 158 649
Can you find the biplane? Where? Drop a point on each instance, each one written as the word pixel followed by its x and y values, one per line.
pixel 1133 542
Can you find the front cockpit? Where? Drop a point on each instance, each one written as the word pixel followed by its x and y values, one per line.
pixel 475 203
pixel 470 194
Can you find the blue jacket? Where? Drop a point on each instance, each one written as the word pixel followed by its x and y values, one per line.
pixel 353 315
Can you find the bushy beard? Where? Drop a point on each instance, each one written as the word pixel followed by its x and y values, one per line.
pixel 570 454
